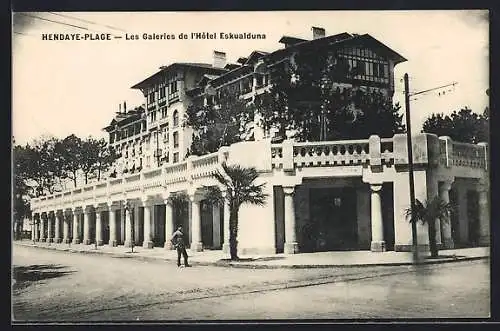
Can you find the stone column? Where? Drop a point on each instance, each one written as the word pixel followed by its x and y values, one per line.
pixel 98 226
pixel 36 225
pixel 113 242
pixel 128 225
pixel 86 226
pixel 148 238
pixel 216 225
pixel 226 227
pixel 59 220
pixel 484 216
pixel 76 225
pixel 196 243
pixel 42 227
pixel 50 235
pixel 33 229
pixel 122 225
pixel 66 220
pixel 169 224
pixel 446 237
pixel 137 212
pixel 378 242
pixel 291 246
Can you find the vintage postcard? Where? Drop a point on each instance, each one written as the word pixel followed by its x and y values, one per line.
pixel 250 166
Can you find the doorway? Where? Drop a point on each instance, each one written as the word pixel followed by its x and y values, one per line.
pixel 207 229
pixel 333 221
pixel 473 217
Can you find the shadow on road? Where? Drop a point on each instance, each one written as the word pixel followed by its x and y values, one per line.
pixel 24 276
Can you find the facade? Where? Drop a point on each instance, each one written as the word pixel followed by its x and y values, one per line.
pixel 329 195
pixel 152 134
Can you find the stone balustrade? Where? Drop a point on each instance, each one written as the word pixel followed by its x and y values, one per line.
pixel 468 155
pixel 289 155
pixel 319 154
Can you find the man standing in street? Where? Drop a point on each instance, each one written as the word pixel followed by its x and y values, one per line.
pixel 178 242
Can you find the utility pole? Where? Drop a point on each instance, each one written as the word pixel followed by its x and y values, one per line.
pixel 410 170
pixel 410 158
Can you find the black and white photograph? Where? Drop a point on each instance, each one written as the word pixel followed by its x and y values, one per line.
pixel 250 166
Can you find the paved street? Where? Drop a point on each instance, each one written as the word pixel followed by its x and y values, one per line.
pixel 54 286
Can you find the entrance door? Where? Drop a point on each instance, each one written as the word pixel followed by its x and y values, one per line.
pixel 333 219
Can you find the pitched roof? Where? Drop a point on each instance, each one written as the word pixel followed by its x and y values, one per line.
pixel 255 54
pixel 195 65
pixel 125 117
pixel 343 39
pixel 287 40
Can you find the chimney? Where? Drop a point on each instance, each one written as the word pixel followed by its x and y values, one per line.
pixel 219 59
pixel 318 32
pixel 124 106
pixel 119 107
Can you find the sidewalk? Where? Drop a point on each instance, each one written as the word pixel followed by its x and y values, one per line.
pixel 301 260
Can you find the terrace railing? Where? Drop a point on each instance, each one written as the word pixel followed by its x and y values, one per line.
pixel 288 155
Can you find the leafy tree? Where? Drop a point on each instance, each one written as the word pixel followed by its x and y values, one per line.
pixel 40 165
pixel 89 156
pixel 21 191
pixel 239 183
pixel 106 156
pixel 463 125
pixel 70 150
pixel 97 157
pixel 222 122
pixel 306 99
pixel 428 212
pixel 179 202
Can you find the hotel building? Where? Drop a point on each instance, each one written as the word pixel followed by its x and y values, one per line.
pixel 327 195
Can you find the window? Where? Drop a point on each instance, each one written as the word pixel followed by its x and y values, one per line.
pixel 176 158
pixel 259 80
pixel 366 66
pixel 173 92
pixel 165 133
pixel 173 86
pixel 163 92
pixel 163 112
pixel 337 202
pixel 176 118
pixel 151 97
pixel 360 68
pixel 176 139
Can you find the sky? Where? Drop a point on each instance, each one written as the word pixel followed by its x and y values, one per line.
pixel 65 87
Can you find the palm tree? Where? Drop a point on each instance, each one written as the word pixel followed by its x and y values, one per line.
pixel 179 201
pixel 240 188
pixel 428 212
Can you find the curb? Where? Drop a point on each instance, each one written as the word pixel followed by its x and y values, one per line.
pixel 357 265
pixel 259 266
